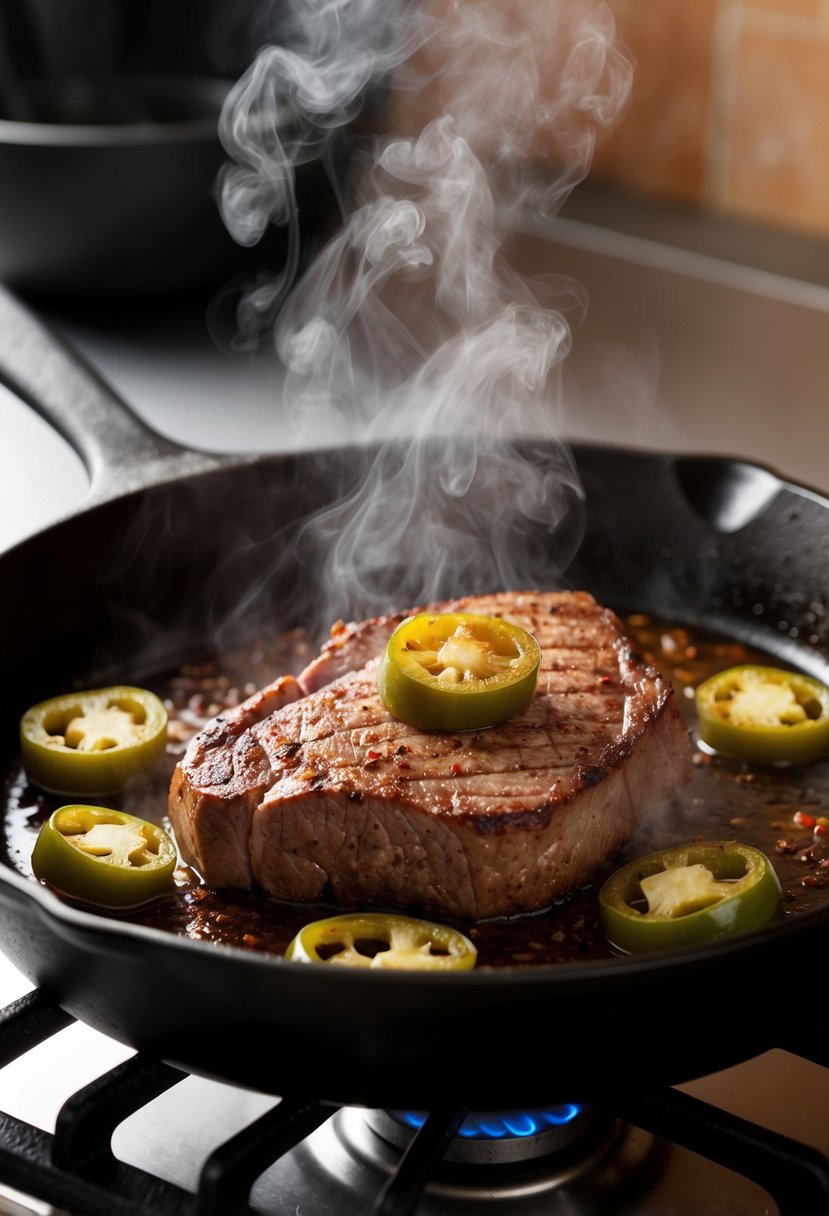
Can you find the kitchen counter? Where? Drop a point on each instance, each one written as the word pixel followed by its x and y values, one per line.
pixel 681 349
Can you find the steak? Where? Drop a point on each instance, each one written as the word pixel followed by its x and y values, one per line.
pixel 312 791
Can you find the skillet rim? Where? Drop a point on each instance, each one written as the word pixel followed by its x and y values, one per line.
pixel 75 920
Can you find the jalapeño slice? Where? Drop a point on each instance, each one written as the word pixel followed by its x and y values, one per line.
pixel 104 856
pixel 457 671
pixel 764 715
pixel 381 940
pixel 93 742
pixel 689 895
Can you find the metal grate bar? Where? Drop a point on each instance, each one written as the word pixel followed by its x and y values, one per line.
pixel 794 1174
pixel 26 1165
pixel 29 1021
pixel 231 1170
pixel 86 1121
pixel 401 1194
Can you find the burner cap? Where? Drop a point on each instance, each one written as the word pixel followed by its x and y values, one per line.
pixel 496 1137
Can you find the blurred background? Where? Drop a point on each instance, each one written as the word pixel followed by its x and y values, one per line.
pixel 726 118
pixel 729 109
pixel 725 121
pixel 689 205
pixel 109 144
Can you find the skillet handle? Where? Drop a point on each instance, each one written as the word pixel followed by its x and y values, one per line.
pixel 119 451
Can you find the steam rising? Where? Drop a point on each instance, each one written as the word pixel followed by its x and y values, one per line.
pixel 411 335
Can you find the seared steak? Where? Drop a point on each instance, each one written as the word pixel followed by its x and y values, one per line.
pixel 313 791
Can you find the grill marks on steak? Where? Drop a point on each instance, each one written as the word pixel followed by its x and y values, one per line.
pixel 332 798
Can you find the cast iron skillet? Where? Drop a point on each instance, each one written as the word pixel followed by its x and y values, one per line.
pixel 705 540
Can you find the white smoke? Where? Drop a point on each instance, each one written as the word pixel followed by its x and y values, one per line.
pixel 412 334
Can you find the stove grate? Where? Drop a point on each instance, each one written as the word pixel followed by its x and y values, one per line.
pixel 401 1194
pixel 794 1174
pixel 75 1170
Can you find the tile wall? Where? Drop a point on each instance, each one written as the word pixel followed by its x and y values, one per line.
pixel 729 108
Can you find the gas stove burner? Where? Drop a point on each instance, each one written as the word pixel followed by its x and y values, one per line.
pixel 496 1137
pixel 557 1160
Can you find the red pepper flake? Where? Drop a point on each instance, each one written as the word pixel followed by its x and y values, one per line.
pixel 787 846
pixel 821 829
pixel 604 679
pixel 456 770
pixel 814 880
pixel 403 764
pixel 372 755
pixel 823 864
pixel 802 820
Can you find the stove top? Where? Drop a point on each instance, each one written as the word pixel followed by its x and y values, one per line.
pixel 144 1139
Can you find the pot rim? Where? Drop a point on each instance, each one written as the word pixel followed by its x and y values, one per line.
pixel 32 133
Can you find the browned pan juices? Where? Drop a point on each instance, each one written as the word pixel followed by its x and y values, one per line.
pixel 770 808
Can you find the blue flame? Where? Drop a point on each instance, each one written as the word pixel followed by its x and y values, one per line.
pixel 501 1125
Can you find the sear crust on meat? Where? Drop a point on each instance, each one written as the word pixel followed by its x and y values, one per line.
pixel 313 791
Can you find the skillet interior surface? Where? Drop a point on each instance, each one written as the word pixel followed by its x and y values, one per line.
pixel 137 585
